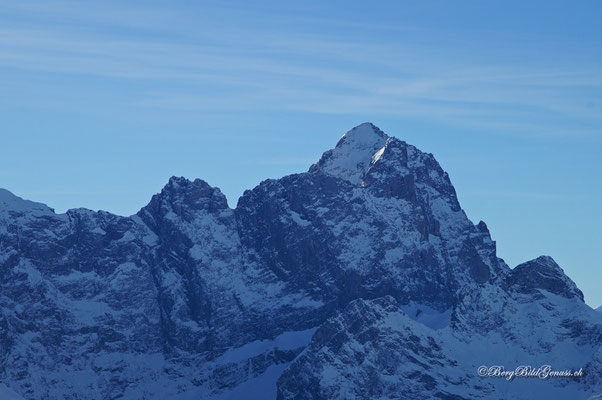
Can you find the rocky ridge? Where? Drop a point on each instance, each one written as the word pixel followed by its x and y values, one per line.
pixel 361 278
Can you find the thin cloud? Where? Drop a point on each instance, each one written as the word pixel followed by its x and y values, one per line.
pixel 252 69
pixel 519 196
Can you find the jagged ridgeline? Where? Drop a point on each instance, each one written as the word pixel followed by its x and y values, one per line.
pixel 362 278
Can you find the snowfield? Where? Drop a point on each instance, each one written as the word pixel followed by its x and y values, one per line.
pixel 362 278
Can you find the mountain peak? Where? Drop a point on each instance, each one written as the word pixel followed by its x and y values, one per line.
pixel 318 285
pixel 543 273
pixel 353 153
pixel 181 187
pixel 185 198
pixel 176 181
pixel 366 129
pixel 14 203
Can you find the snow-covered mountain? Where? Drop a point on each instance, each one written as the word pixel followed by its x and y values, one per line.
pixel 359 279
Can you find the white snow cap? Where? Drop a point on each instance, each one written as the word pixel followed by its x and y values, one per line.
pixel 351 157
pixel 5 392
pixel 10 202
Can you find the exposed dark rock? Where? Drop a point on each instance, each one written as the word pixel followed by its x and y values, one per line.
pixel 189 298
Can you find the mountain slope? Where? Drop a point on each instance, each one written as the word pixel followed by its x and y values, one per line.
pixel 362 277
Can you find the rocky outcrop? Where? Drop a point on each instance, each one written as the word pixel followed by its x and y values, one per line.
pixel 542 274
pixel 189 298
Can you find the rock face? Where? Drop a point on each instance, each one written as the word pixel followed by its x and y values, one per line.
pixel 543 273
pixel 361 278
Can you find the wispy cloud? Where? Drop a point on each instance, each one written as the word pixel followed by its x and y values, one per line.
pixel 253 69
pixel 290 161
pixel 520 196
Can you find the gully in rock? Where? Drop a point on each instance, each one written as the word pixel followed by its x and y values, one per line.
pixel 361 278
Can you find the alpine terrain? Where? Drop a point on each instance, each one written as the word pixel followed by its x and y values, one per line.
pixel 362 278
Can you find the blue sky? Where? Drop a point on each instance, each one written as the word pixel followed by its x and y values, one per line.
pixel 101 102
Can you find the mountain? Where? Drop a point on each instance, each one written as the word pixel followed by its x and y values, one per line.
pixel 361 278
